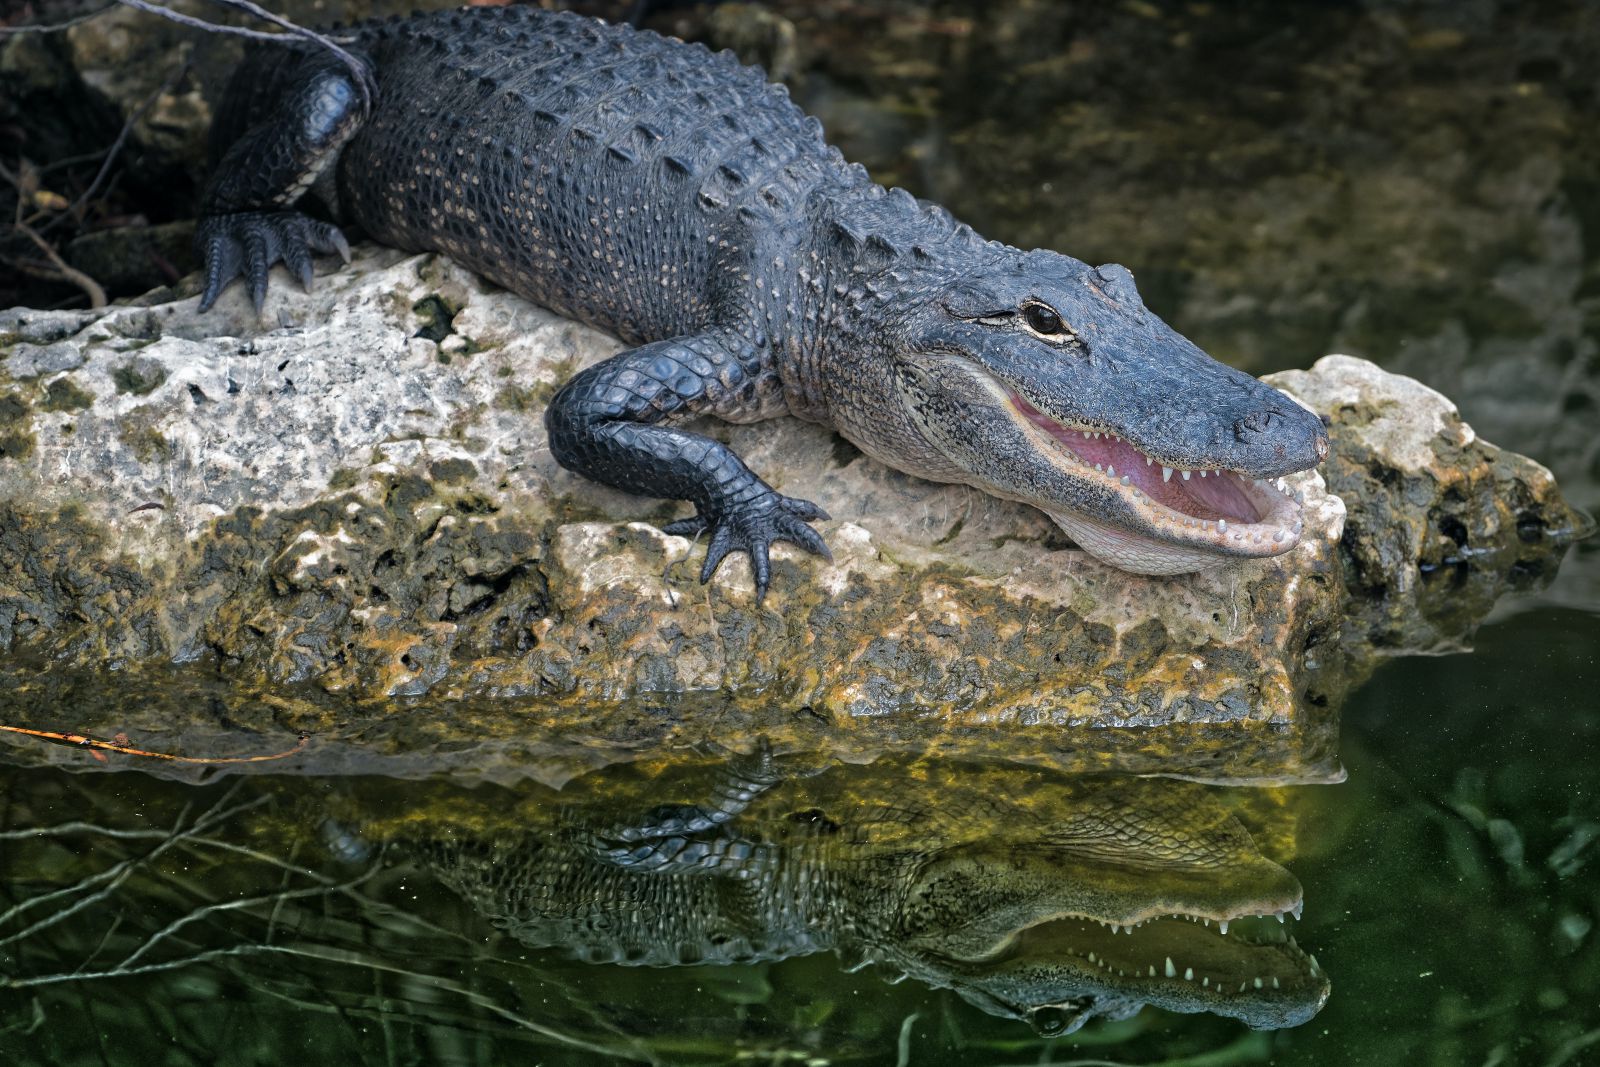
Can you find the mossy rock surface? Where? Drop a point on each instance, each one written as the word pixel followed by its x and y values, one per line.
pixel 315 498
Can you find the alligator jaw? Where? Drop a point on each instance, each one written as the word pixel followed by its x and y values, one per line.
pixel 1193 519
pixel 1259 975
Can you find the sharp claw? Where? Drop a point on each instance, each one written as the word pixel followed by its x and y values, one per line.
pixel 340 245
pixel 812 542
pixel 716 552
pixel 297 258
pixel 762 566
pixel 257 259
pixel 222 261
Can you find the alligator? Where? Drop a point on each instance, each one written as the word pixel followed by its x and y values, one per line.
pixel 674 198
pixel 1088 899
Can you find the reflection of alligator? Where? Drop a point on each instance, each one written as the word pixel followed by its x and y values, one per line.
pixel 1075 901
pixel 677 200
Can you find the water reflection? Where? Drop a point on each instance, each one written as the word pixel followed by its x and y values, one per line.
pixel 1032 895
pixel 1051 901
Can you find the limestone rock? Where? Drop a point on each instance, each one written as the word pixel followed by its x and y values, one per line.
pixel 351 499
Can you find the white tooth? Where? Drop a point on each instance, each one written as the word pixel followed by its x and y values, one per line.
pixel 1223 926
pixel 1166 474
pixel 1280 535
pixel 1298 907
pixel 1314 968
pixel 1087 436
pixel 1111 470
pixel 1124 479
pixel 1172 972
pixel 1280 916
pixel 1222 525
pixel 1206 921
pixel 1206 981
pixel 1275 983
pixel 1202 474
pixel 1091 957
pixel 1148 461
pixel 1259 983
pixel 1098 467
pixel 1188 974
pixel 1152 970
pixel 1186 475
pixel 1241 987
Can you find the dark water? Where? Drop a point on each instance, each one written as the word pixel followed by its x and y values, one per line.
pixel 1415 183
pixel 1450 893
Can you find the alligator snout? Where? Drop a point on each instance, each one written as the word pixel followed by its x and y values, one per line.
pixel 1257 422
pixel 1294 436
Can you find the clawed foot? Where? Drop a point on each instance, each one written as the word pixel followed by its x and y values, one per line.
pixel 752 528
pixel 248 243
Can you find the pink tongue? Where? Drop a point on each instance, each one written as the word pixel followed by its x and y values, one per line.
pixel 1223 495
pixel 1216 496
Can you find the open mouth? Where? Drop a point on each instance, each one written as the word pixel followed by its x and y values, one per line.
pixel 1231 511
pixel 1260 956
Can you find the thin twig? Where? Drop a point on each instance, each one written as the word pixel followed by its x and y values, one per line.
pixel 97 295
pixel 361 72
pixel 62 829
pixel 56 27
pixel 81 741
pixel 113 875
pixel 331 955
pixel 278 895
pixel 116 147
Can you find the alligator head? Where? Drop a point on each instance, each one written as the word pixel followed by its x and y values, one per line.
pixel 1038 378
pixel 1140 895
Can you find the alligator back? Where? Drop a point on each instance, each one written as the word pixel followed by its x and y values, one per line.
pixel 601 171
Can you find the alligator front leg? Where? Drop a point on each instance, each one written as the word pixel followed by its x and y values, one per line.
pixel 247 222
pixel 696 838
pixel 609 423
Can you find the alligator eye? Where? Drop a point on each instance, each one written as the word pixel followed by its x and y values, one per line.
pixel 1042 319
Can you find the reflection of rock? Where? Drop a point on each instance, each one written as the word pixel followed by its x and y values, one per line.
pixel 360 496
pixel 1014 904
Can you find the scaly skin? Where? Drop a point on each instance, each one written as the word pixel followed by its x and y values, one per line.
pixel 1093 903
pixel 674 198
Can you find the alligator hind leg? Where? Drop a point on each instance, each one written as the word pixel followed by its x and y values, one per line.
pixel 247 217
pixel 608 423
